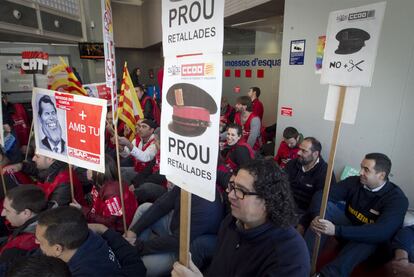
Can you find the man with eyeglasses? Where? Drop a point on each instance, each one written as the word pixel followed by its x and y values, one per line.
pixel 257 237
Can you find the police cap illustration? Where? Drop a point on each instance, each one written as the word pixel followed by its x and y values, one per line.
pixel 351 40
pixel 192 107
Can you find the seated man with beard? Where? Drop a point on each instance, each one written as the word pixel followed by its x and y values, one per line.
pixel 307 176
pixel 50 126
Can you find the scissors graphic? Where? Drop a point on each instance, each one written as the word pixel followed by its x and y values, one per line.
pixel 351 62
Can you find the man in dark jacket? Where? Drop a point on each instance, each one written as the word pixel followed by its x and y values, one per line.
pixel 403 247
pixel 257 238
pixel 53 177
pixel 63 233
pixel 374 211
pixel 162 218
pixel 307 175
pixel 21 208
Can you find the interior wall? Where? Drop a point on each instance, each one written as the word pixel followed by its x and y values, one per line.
pixel 127 25
pixel 151 23
pixel 384 119
pixel 139 58
pixel 270 64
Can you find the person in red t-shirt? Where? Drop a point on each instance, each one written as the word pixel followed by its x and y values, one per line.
pixel 289 147
pixel 254 94
pixel 105 206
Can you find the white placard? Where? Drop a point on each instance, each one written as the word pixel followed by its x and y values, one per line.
pixel 109 48
pixel 192 27
pixel 351 45
pixel 70 128
pixel 190 122
pixel 350 105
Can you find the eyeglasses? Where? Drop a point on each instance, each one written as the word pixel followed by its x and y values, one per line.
pixel 238 193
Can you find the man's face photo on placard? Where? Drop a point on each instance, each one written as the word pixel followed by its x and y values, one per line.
pixel 50 125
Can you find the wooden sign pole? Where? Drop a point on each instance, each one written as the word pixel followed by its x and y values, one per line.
pixel 72 191
pixel 121 188
pixel 328 177
pixel 185 220
pixel 30 138
pixel 3 183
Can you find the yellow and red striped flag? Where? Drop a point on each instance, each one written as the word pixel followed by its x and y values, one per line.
pixel 129 108
pixel 61 78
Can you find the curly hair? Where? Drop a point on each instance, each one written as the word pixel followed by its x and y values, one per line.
pixel 272 185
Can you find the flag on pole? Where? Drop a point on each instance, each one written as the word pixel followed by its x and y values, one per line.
pixel 61 78
pixel 129 109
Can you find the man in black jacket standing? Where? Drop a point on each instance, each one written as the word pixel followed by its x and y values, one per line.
pixel 374 211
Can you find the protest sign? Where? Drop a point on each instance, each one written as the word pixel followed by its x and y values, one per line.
pixel 351 45
pixel 70 128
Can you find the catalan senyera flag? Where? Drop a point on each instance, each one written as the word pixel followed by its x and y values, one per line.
pixel 129 108
pixel 61 78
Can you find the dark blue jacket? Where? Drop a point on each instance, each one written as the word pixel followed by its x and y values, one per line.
pixel 206 217
pixel 262 251
pixel 375 216
pixel 94 258
pixel 305 184
pixel 127 255
pixel 404 240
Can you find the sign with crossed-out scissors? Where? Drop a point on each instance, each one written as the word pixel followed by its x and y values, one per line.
pixel 351 45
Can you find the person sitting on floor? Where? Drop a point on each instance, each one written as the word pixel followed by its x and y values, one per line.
pixel 155 229
pixel 250 122
pixel 39 266
pixel 374 211
pixel 403 247
pixel 63 233
pixel 21 208
pixel 235 151
pixel 142 149
pixel 289 147
pixel 258 237
pixel 307 175
pixel 105 206
pixel 53 178
pixel 149 184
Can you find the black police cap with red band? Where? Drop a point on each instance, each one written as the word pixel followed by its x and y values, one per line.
pixel 192 107
pixel 351 40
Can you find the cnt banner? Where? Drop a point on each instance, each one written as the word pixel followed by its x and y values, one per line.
pixel 70 128
pixel 192 43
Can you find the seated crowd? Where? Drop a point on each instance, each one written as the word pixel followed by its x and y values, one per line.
pixel 263 222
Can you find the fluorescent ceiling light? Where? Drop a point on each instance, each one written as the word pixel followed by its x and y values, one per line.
pixel 248 22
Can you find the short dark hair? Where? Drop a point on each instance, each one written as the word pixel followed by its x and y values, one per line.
pixel 272 184
pixel 47 100
pixel 141 88
pixel 27 197
pixel 41 266
pixel 290 132
pixel 150 123
pixel 245 101
pixel 316 144
pixel 237 127
pixel 257 90
pixel 382 163
pixel 66 226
